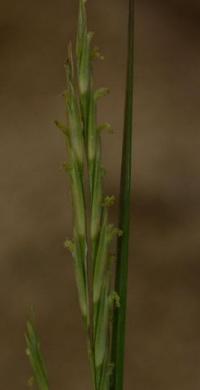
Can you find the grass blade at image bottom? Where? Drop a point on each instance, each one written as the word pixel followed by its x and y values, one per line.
pixel 121 277
pixel 34 353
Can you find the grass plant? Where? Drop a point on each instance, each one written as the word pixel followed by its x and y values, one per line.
pixel 103 307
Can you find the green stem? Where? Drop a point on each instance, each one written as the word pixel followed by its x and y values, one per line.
pixel 121 279
pixel 92 362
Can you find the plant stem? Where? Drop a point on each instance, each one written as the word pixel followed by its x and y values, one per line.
pixel 121 278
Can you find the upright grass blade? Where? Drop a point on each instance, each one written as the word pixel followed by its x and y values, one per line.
pixel 35 356
pixel 119 320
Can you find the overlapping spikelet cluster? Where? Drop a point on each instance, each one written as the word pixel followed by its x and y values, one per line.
pixel 92 233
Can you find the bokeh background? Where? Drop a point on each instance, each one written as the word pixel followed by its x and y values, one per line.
pixel 163 326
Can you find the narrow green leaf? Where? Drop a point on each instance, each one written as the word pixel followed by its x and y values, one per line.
pixel 35 356
pixel 118 339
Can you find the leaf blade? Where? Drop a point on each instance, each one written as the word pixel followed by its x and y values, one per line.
pixel 36 357
pixel 121 278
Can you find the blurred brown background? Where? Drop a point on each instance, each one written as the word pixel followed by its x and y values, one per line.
pixel 163 340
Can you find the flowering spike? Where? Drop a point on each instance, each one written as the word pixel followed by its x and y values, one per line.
pixel 93 268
